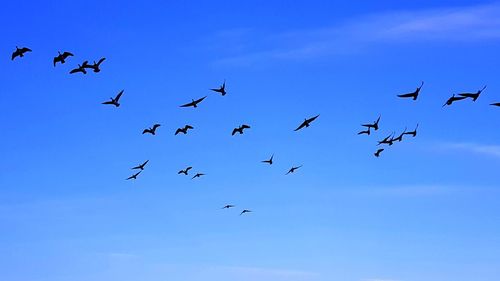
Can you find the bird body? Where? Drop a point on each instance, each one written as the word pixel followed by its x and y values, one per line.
pixel 198 175
pixel 134 176
pixel 240 129
pixel 151 130
pixel 228 206
pixel 413 95
pixel 306 123
pixel 80 68
pixel 62 57
pixel 495 104
pixel 293 169
pixel 270 161
pixel 221 89
pixel 473 96
pixel 412 133
pixel 374 125
pixel 377 153
pixel 19 52
pixel 245 211
pixel 141 166
pixel 116 100
pixel 96 65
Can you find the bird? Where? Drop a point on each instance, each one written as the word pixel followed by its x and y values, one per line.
pixel 365 132
pixel 240 129
pixel 95 66
pixel 151 130
pixel 293 169
pixel 197 175
pixel 270 161
pixel 413 95
pixel 134 176
pixel 377 153
pixel 374 125
pixel 183 130
pixel 194 103
pixel 387 140
pixel 307 122
pixel 453 99
pixel 400 137
pixel 412 133
pixel 185 171
pixel 473 96
pixel 140 167
pixel 245 211
pixel 19 52
pixel 116 100
pixel 228 206
pixel 62 57
pixel 221 89
pixel 81 68
pixel 495 104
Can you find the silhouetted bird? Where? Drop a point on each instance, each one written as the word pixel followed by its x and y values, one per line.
pixel 413 95
pixel 245 211
pixel 80 68
pixel 151 130
pixel 194 103
pixel 140 167
pixel 19 52
pixel 134 176
pixel 306 123
pixel 185 171
pixel 95 66
pixel 377 153
pixel 495 104
pixel 115 101
pixel 400 137
pixel 183 130
pixel 62 57
pixel 240 129
pixel 270 161
pixel 412 133
pixel 365 132
pixel 221 89
pixel 197 175
pixel 387 140
pixel 374 125
pixel 293 169
pixel 473 96
pixel 228 206
pixel 453 99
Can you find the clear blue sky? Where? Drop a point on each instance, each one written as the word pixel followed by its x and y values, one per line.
pixel 427 209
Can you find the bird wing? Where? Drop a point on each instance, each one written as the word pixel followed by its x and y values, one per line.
pixel 495 104
pixel 406 95
pixel 245 126
pixel 178 131
pixel 15 54
pixel 234 131
pixel 119 95
pixel 301 126
pixel 189 127
pixel 100 61
pixel 146 131
pixel 145 162
pixel 188 104
pixel 312 118
pixel 56 59
pixel 199 100
pixel 108 102
pixel 24 50
pixel 75 70
pixel 86 64
pixel 67 54
pixel 156 126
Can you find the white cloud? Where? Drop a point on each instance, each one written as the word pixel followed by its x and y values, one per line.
pixel 457 24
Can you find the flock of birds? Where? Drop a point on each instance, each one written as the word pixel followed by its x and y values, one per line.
pixel 115 101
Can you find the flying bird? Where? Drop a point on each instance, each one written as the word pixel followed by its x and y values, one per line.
pixel 412 133
pixel 197 175
pixel 365 132
pixel 453 99
pixel 245 211
pixel 140 167
pixel 81 68
pixel 134 176
pixel 116 100
pixel 270 161
pixel 495 104
pixel 19 52
pixel 62 57
pixel 151 130
pixel 413 95
pixel 377 153
pixel 221 89
pixel 96 65
pixel 473 96
pixel 307 122
pixel 194 103
pixel 293 169
pixel 185 171
pixel 183 130
pixel 240 129
pixel 400 137
pixel 374 125
pixel 387 140
pixel 228 206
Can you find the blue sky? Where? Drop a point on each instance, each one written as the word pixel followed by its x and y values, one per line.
pixel 427 209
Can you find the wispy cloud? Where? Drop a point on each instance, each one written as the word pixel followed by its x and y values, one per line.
pixel 457 24
pixel 485 149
